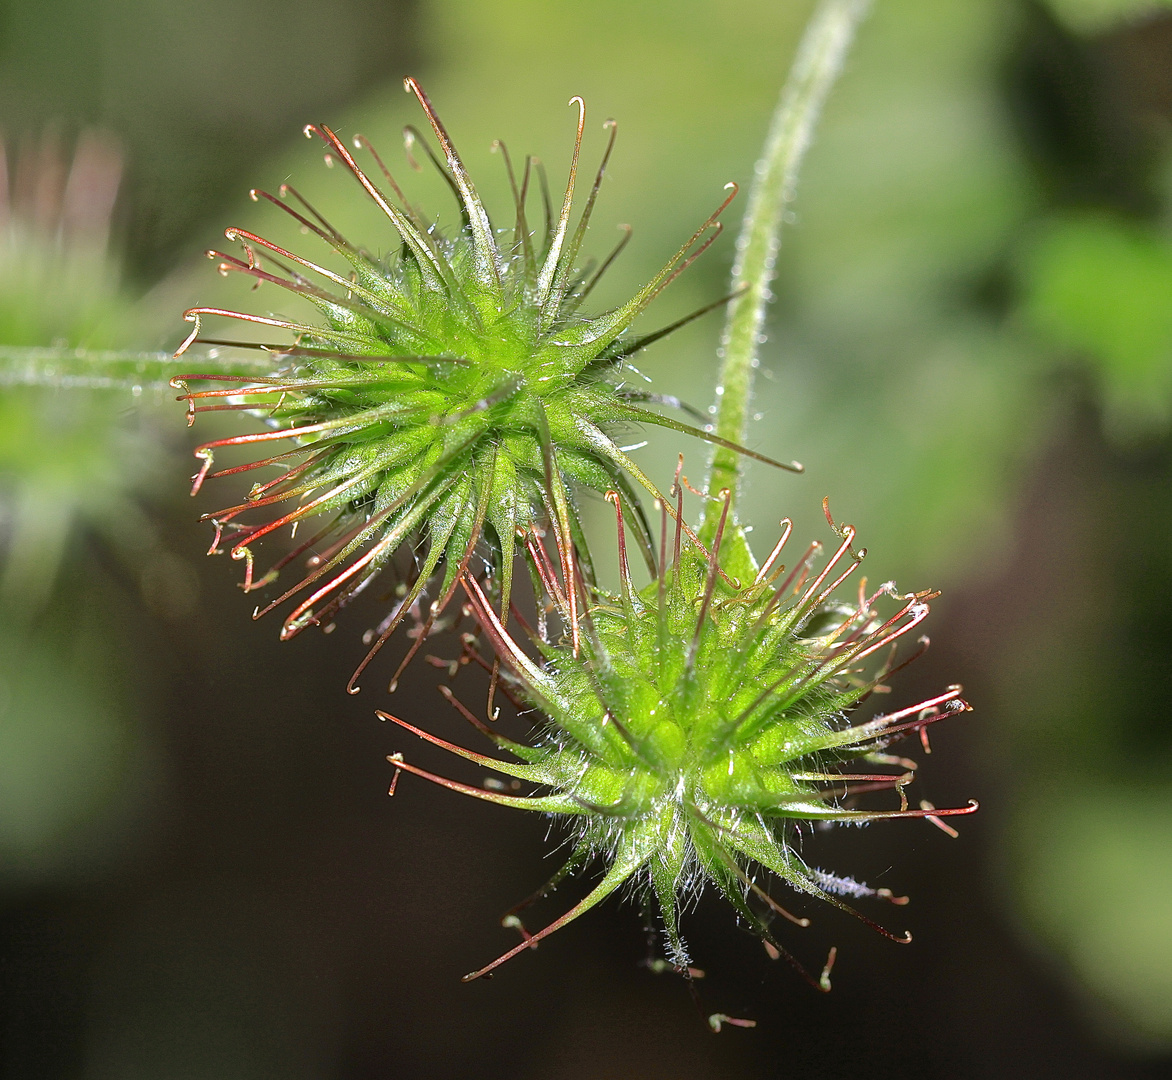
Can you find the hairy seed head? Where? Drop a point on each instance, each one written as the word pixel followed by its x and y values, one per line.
pixel 701 719
pixel 455 391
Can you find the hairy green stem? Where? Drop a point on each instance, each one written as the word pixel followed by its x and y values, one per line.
pixel 107 369
pixel 819 60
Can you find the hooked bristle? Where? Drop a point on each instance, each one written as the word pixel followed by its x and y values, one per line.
pixel 692 726
pixel 453 395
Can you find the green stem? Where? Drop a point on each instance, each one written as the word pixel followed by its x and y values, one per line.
pixel 93 369
pixel 819 60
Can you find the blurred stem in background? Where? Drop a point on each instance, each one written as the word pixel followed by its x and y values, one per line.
pixel 75 467
pixel 65 456
pixel 195 93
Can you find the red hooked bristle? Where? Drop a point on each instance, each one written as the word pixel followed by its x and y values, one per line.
pixel 606 263
pixel 550 281
pixel 678 493
pixel 933 815
pixel 710 583
pixel 576 242
pixel 717 1020
pixel 555 492
pixel 484 242
pixel 624 567
pixel 361 142
pixel 766 574
pixel 521 239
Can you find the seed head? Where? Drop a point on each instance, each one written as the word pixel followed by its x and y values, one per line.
pixel 455 391
pixel 700 721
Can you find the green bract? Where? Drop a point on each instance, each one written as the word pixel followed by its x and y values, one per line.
pixel 455 390
pixel 696 722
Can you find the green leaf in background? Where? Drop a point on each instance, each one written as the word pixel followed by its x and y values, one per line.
pixel 74 765
pixel 1090 15
pixel 1101 289
pixel 1094 873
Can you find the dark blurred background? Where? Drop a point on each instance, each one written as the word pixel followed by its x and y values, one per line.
pixel 201 875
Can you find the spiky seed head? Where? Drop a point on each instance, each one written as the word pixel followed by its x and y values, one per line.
pixel 700 720
pixel 455 390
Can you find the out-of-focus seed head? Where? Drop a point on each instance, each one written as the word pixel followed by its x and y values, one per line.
pixel 70 461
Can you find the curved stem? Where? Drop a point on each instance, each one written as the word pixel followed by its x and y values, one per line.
pixel 819 60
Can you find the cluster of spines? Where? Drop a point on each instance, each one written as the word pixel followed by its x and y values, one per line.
pixel 397 340
pixel 410 327
pixel 720 840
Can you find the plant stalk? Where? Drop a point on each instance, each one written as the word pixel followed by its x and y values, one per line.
pixel 819 60
pixel 110 369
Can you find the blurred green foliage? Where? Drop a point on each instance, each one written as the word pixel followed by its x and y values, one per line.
pixel 1088 16
pixel 73 465
pixel 1102 289
pixel 75 760
pixel 1114 940
pixel 197 91
pixel 66 458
